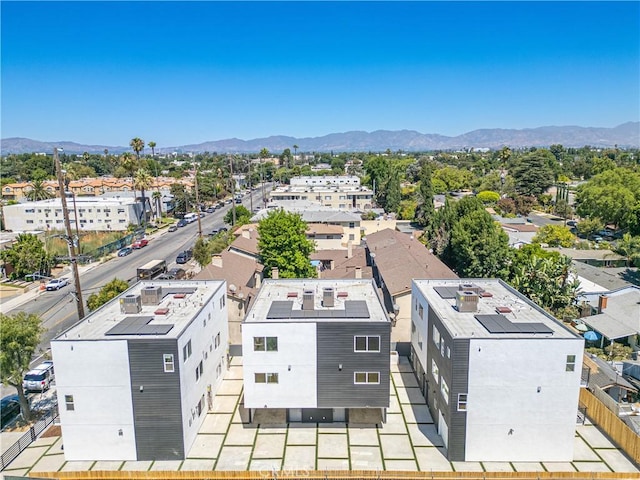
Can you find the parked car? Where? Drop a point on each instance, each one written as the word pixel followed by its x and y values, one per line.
pixel 143 242
pixel 125 251
pixel 10 409
pixel 173 228
pixel 184 257
pixel 174 274
pixel 210 210
pixel 571 223
pixel 214 232
pixel 39 379
pixel 57 283
pixel 182 223
pixel 222 229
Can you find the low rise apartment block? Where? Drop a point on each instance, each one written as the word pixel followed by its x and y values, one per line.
pixel 136 377
pixel 501 376
pixel 317 351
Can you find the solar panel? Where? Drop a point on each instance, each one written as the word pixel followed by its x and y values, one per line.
pixel 139 326
pixel 501 324
pixel 280 309
pixel 356 309
pixel 446 292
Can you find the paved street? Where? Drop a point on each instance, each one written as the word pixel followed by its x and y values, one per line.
pixel 407 441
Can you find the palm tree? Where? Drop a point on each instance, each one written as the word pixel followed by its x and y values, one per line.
pixel 152 146
pixel 295 153
pixel 157 199
pixel 629 247
pixel 38 191
pixel 143 181
pixel 264 153
pixel 137 145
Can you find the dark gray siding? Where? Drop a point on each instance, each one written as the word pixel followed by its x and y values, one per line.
pixel 454 369
pixel 157 409
pixel 335 347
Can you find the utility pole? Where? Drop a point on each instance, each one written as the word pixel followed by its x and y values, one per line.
pixel 198 203
pixel 233 191
pixel 264 200
pixel 250 190
pixel 69 236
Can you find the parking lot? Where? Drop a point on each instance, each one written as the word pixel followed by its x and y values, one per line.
pixel 407 441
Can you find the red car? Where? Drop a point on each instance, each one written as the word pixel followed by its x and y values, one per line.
pixel 140 243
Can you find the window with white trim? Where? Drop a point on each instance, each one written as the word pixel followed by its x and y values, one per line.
pixel 265 377
pixel 167 360
pixel 186 351
pixel 436 336
pixel 68 402
pixel 216 340
pixel 435 371
pixel 199 370
pixel 571 363
pixel 366 343
pixel 265 344
pixel 444 389
pixel 462 402
pixel 360 378
pixel 421 312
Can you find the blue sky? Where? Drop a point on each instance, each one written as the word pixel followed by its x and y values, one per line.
pixel 187 72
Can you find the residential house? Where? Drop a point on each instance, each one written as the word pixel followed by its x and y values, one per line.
pixel 395 259
pixel 316 351
pixel 135 378
pixel 501 376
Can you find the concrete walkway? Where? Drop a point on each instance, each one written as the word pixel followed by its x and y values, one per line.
pixel 407 441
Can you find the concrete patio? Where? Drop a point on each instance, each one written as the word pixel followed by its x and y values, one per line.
pixel 407 441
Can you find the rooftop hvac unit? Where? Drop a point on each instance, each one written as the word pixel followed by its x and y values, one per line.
pixel 130 304
pixel 151 295
pixel 327 297
pixel 307 300
pixel 469 287
pixel 467 301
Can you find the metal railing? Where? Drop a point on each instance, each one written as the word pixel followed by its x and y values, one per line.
pixel 29 437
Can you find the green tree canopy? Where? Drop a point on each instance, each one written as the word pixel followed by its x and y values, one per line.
pixel 19 338
pixel 534 173
pixel 555 236
pixel 109 291
pixel 243 215
pixel 425 210
pixel 202 252
pixel 488 196
pixel 27 255
pixel 283 244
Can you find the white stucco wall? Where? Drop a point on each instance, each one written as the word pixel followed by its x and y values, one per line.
pixel 97 375
pixel 202 335
pixel 508 419
pixel 296 386
pixel 419 336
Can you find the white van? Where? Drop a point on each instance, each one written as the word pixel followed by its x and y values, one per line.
pixel 39 379
pixel 190 217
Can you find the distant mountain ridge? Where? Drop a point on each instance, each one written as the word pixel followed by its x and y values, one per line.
pixel 626 135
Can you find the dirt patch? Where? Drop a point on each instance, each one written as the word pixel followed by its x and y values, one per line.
pixel 52 431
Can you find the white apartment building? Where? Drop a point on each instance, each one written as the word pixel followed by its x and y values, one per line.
pixel 341 192
pixel 136 377
pixel 93 214
pixel 501 376
pixel 317 351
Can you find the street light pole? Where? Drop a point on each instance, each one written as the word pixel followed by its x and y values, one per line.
pixel 69 236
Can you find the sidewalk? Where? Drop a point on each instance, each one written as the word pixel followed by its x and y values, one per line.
pixel 6 305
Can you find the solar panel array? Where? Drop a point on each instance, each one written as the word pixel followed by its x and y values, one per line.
pixel 501 324
pixel 446 292
pixel 283 309
pixel 139 326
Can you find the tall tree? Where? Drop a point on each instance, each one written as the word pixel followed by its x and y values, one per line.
pixel 152 146
pixel 27 255
pixel 142 180
pixel 283 244
pixel 19 338
pixel 137 145
pixel 425 210
pixel 202 252
pixel 534 173
pixel 295 153
pixel 629 247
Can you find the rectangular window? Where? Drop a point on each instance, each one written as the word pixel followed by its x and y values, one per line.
pixel 444 389
pixel 413 327
pixel 216 341
pixel 442 347
pixel 436 336
pixel 360 378
pixel 68 401
pixel 272 344
pixel 352 225
pixel 186 350
pixel 199 370
pixel 462 402
pixel 265 344
pixel 421 312
pixel 448 352
pixel 571 363
pixel 169 366
pixel 435 371
pixel 366 343
pixel 272 378
pixel 265 377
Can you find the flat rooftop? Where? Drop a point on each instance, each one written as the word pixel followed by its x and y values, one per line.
pixel 283 300
pixel 179 303
pixel 501 312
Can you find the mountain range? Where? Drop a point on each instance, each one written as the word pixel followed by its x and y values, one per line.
pixel 626 135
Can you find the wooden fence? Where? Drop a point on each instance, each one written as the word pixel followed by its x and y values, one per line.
pixel 608 421
pixel 331 475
